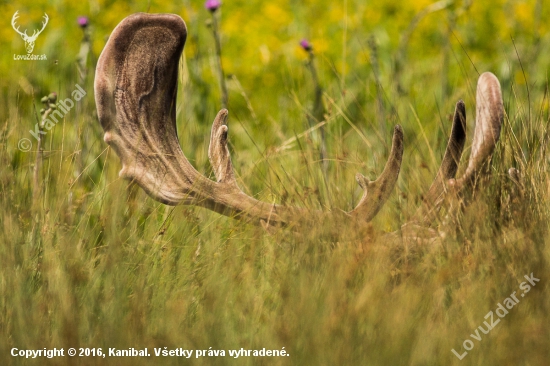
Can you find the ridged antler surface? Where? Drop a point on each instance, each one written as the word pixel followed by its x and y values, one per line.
pixel 489 117
pixel 135 91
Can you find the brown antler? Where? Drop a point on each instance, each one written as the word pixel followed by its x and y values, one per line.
pixel 489 117
pixel 135 91
pixel 449 165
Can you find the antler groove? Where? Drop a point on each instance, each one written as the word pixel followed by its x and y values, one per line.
pixel 489 118
pixel 135 91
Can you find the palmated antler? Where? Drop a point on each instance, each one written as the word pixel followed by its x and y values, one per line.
pixel 135 91
pixel 489 117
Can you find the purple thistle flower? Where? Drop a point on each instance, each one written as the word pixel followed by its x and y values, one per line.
pixel 306 45
pixel 212 5
pixel 82 21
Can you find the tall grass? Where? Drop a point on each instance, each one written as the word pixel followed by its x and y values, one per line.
pixel 106 266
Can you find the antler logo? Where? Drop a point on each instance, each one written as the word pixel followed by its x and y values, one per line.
pixel 29 40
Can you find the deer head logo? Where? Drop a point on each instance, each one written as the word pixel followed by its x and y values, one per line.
pixel 29 40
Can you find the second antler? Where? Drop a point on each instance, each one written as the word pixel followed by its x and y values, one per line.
pixel 489 117
pixel 135 91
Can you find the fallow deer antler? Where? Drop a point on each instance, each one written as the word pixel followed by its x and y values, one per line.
pixel 135 92
pixel 489 117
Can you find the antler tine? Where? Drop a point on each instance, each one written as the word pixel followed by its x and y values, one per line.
pixel 36 32
pixel 44 23
pixel 377 193
pixel 489 117
pixel 449 165
pixel 218 153
pixel 13 20
pixel 135 91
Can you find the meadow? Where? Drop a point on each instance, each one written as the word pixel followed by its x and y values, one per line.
pixel 88 260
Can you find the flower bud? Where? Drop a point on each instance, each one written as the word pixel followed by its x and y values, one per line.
pixel 306 45
pixel 212 5
pixel 82 21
